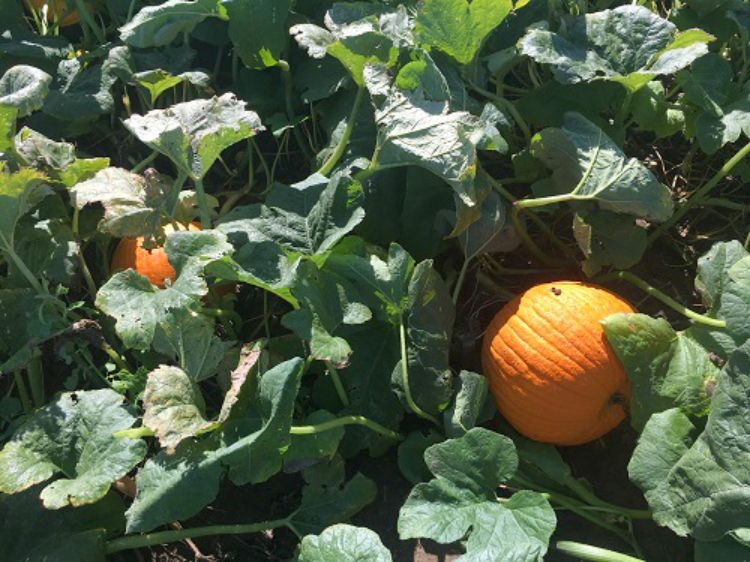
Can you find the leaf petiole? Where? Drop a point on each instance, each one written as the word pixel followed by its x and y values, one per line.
pixel 343 421
pixel 338 152
pixel 700 193
pixel 205 214
pixel 340 390
pixel 664 298
pixel 593 553
pixel 162 537
pixel 405 378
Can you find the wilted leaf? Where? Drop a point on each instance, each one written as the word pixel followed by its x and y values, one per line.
pixel 177 486
pixel 193 134
pixel 131 204
pixel 24 88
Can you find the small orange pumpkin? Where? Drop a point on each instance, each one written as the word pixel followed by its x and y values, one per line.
pixel 552 372
pixel 56 8
pixel 152 264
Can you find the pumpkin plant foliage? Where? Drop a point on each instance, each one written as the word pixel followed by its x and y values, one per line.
pixel 345 194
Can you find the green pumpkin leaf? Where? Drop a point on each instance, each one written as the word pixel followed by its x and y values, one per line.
pixel 27 319
pixel 707 489
pixel 458 27
pixel 666 369
pixel 308 450
pixel 629 45
pixel 723 283
pixel 606 238
pixel 193 134
pixel 587 166
pixel 325 306
pixel 309 217
pixel 326 503
pixel 62 535
pixel 461 500
pixel 158 26
pixel 343 543
pixel 429 327
pixel 71 437
pixel 178 485
pixel 258 30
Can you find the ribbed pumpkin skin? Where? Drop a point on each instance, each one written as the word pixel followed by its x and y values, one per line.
pixel 550 368
pixel 152 264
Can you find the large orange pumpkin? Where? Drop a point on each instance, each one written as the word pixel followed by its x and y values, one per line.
pixel 56 8
pixel 552 372
pixel 152 264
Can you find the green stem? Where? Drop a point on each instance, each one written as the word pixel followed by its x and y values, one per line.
pixel 85 271
pixel 593 553
pixel 89 22
pixel 145 162
pixel 405 379
pixel 700 193
pixel 592 499
pixel 23 392
pixel 163 537
pixel 340 390
pixel 286 75
pixel 203 204
pixel 540 224
pixel 333 159
pixel 35 372
pixel 373 167
pixel 264 165
pixel 343 421
pixel 666 299
pixel 460 280
pixel 143 431
pixel 508 106
pixel 527 240
pixel 544 201
pixel 116 357
pixel 174 193
pixel 576 507
pixel 19 263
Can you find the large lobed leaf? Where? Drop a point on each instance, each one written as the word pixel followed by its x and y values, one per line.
pixel 701 486
pixel 461 499
pixel 71 437
pixel 589 167
pixel 249 448
pixel 458 27
pixel 629 45
pixel 665 368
